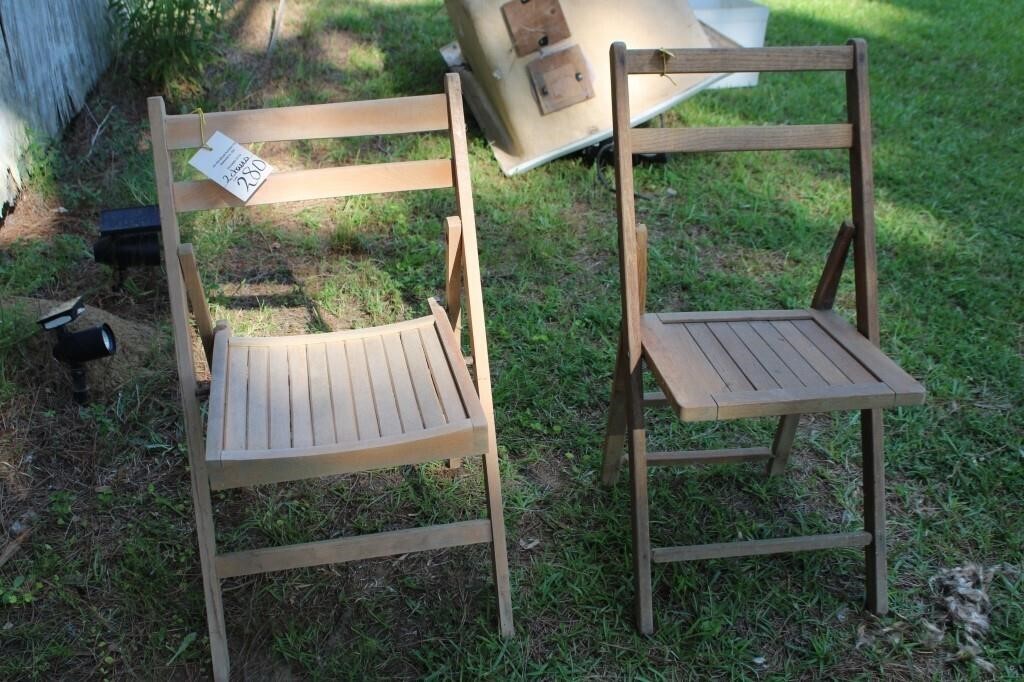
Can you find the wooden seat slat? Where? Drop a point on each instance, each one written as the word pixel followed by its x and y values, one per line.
pixel 280 398
pixel 235 414
pixel 423 383
pixel 359 373
pixel 257 423
pixel 342 400
pixel 301 407
pixel 439 370
pixel 401 384
pixel 383 389
pixel 321 399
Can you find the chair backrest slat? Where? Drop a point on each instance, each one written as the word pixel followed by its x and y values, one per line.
pixel 731 60
pixel 742 139
pixel 316 121
pixel 321 183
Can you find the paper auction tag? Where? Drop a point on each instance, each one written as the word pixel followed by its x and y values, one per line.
pixel 231 166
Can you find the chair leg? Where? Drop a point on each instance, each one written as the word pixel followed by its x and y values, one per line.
pixel 211 583
pixel 783 444
pixel 877 575
pixel 638 502
pixel 203 505
pixel 499 550
pixel 615 431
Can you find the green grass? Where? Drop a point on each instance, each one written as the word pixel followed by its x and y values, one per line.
pixel 108 585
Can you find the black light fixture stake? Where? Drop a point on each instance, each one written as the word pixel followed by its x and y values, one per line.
pixel 75 348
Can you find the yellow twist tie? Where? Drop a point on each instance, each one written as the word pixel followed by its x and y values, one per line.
pixel 202 128
pixel 665 54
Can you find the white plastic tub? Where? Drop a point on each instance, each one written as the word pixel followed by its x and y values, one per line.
pixel 742 21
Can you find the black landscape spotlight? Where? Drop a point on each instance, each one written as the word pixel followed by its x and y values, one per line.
pixel 128 237
pixel 77 348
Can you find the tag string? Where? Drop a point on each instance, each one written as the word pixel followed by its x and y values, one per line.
pixel 202 128
pixel 665 54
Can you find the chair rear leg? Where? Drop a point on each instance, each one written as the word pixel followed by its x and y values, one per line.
pixel 783 444
pixel 877 574
pixel 499 550
pixel 615 431
pixel 639 504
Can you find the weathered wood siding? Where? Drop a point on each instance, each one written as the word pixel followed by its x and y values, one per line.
pixel 53 52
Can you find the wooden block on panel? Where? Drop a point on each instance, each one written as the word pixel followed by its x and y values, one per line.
pixel 561 80
pixel 534 24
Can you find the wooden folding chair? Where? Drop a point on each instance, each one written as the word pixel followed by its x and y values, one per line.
pixel 297 407
pixel 726 365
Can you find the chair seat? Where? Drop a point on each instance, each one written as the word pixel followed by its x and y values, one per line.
pixel 294 407
pixel 726 365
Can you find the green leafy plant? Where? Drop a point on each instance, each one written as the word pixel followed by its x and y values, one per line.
pixel 159 41
pixel 22 590
pixel 60 506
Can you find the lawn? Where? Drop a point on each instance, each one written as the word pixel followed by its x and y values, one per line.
pixel 107 584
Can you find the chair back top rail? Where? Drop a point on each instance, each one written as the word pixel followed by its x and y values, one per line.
pixel 417 114
pixel 731 60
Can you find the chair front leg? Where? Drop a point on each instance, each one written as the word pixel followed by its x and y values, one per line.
pixel 203 505
pixel 499 551
pixel 877 574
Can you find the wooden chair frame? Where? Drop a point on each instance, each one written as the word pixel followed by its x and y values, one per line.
pixel 394 116
pixel 637 343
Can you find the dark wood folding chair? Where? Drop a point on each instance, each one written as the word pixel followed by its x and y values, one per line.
pixel 714 366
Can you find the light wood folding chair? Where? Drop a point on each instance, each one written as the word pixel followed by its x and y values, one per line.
pixel 297 407
pixel 715 366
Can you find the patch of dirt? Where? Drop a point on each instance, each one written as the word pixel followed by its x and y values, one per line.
pixel 548 474
pixel 251 22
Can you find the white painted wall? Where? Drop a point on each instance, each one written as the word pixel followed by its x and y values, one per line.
pixel 51 54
